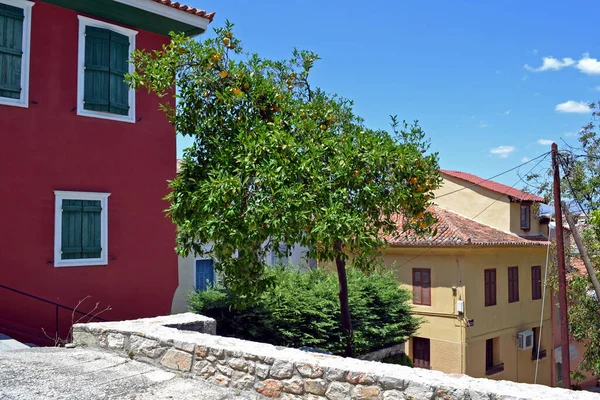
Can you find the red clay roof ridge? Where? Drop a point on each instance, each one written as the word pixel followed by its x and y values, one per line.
pixel 187 9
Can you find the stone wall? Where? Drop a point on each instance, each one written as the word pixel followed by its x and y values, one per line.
pixel 382 354
pixel 276 372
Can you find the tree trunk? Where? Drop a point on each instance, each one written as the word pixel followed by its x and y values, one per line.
pixel 340 263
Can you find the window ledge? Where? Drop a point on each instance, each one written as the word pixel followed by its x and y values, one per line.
pixel 104 115
pixel 81 262
pixel 494 370
pixel 6 101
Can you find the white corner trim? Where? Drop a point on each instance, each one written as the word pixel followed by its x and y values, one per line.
pixel 168 12
pixel 23 100
pixel 131 34
pixel 59 196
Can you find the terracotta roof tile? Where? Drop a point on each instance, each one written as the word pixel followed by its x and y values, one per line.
pixel 493 186
pixel 456 230
pixel 187 9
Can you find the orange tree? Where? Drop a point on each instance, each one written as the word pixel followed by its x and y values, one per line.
pixel 275 160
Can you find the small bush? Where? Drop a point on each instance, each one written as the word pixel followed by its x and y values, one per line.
pixel 301 309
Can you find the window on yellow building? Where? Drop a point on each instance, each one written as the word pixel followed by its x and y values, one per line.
pixel 513 284
pixel 525 216
pixel 422 286
pixel 536 282
pixel 490 286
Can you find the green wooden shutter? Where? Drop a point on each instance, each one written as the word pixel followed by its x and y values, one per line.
pixel 97 69
pixel 90 229
pixel 119 66
pixel 71 229
pixel 81 229
pixel 11 50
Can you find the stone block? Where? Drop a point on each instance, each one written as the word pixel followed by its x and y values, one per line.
pixel 294 386
pixel 225 370
pixel 366 393
pixel 208 371
pixel 315 386
pixel 417 390
pixel 239 364
pixel 338 391
pixel 359 377
pixel 115 341
pixel 262 370
pixel 147 347
pixel 201 351
pixel 309 370
pixel 178 360
pixel 219 353
pixel 269 388
pixel 389 383
pixel 242 380
pixel 393 395
pixel 282 369
pixel 184 346
pixel 335 374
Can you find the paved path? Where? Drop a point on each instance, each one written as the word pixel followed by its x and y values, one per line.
pixel 57 373
pixel 8 343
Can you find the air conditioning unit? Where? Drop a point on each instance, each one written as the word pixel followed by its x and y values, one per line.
pixel 525 340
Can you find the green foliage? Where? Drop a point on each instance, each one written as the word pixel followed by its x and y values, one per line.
pixel 401 359
pixel 275 160
pixel 302 309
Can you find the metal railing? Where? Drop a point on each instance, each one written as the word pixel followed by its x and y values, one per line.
pixel 494 370
pixel 56 305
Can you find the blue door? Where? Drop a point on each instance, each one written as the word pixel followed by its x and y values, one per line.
pixel 205 274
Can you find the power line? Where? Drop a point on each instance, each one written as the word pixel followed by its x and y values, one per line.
pixel 566 176
pixel 492 203
pixel 495 176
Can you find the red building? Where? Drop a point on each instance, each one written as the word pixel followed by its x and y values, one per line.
pixel 84 163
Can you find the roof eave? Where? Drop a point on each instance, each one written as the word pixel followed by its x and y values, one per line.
pixel 201 23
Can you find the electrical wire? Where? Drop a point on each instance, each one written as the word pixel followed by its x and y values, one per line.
pixel 495 176
pixel 566 176
pixel 492 203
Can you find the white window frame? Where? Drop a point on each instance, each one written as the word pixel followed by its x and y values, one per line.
pixel 131 34
pixel 23 100
pixel 196 275
pixel 59 196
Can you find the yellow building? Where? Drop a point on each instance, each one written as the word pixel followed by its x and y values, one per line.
pixel 478 283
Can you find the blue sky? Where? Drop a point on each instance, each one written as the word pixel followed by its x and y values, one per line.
pixel 487 80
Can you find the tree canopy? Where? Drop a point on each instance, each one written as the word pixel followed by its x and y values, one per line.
pixel 275 160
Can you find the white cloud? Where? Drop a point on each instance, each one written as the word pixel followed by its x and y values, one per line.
pixel 545 142
pixel 498 71
pixel 507 112
pixel 596 88
pixel 578 107
pixel 534 51
pixel 551 63
pixel 483 124
pixel 525 159
pixel 570 133
pixel 525 77
pixel 502 151
pixel 587 65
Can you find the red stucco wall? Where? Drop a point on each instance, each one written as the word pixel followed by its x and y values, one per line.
pixel 47 147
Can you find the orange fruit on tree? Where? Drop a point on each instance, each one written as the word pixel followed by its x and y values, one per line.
pixel 223 74
pixel 246 85
pixel 323 127
pixel 228 35
pixel 226 41
pixel 236 91
pixel 414 181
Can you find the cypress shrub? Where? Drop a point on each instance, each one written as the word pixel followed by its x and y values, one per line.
pixel 301 309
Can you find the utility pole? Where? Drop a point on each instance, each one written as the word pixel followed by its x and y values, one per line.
pixel 562 279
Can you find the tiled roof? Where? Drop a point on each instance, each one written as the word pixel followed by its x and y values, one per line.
pixel 493 186
pixel 456 230
pixel 187 9
pixel 578 265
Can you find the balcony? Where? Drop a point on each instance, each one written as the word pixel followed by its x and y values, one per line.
pixel 496 369
pixel 534 354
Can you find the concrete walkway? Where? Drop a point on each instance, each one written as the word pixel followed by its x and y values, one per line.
pixel 57 373
pixel 8 343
